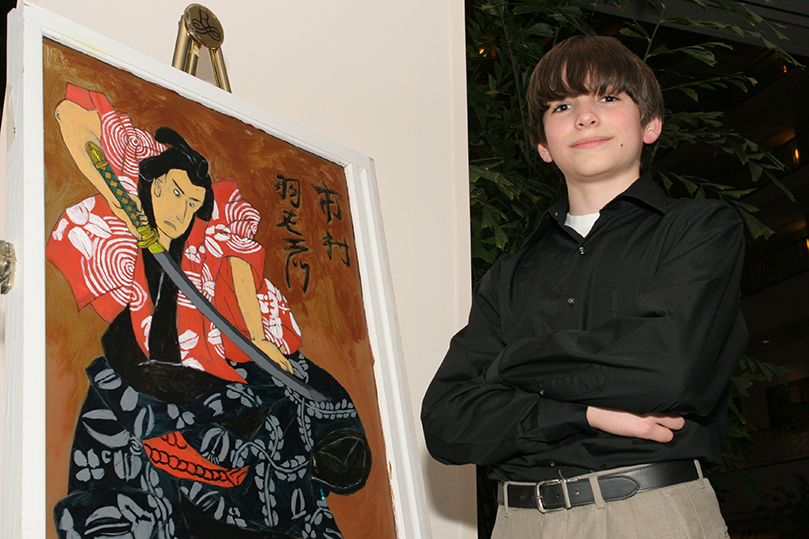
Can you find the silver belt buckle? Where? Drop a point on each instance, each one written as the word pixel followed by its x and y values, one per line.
pixel 541 507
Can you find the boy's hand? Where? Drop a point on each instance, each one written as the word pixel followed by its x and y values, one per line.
pixel 655 427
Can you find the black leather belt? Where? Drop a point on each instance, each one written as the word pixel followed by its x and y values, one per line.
pixel 558 494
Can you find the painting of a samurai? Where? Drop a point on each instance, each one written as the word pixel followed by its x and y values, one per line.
pixel 180 433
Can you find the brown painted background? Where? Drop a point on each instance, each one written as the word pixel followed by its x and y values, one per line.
pixel 330 313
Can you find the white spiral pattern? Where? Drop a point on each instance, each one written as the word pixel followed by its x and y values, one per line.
pixel 126 145
pixel 243 245
pixel 245 228
pixel 137 297
pixel 112 267
pixel 241 216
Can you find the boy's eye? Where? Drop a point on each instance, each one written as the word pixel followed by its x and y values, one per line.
pixel 561 107
pixel 609 98
pixel 176 193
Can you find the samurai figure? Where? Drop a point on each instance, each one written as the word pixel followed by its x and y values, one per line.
pixel 181 435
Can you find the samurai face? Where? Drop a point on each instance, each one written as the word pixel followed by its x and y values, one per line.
pixel 175 200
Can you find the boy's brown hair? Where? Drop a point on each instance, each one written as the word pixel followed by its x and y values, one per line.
pixel 593 64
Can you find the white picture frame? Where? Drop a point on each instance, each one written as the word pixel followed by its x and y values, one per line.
pixel 25 511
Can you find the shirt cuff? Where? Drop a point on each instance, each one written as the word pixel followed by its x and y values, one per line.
pixel 556 421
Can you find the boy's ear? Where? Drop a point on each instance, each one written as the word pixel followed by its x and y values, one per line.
pixel 653 130
pixel 544 152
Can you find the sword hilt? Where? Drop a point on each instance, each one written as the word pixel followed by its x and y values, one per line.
pixel 148 235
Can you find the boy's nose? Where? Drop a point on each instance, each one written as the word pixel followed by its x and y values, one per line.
pixel 586 118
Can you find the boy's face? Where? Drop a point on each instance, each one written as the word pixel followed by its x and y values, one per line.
pixel 592 138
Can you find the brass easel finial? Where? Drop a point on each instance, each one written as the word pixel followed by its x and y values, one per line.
pixel 199 27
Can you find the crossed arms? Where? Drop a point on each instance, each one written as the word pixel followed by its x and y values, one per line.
pixel 634 375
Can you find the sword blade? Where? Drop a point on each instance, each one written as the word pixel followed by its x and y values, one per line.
pixel 253 352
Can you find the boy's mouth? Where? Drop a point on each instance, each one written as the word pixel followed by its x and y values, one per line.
pixel 589 142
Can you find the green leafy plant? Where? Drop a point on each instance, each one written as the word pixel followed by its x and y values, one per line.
pixel 699 127
pixel 787 511
pixel 510 186
pixel 737 448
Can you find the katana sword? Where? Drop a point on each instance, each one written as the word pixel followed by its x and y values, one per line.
pixel 149 237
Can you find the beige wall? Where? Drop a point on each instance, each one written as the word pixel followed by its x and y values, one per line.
pixel 385 79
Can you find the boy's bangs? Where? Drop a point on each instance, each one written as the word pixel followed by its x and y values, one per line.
pixel 591 70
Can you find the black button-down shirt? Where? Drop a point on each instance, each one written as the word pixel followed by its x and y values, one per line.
pixel 642 315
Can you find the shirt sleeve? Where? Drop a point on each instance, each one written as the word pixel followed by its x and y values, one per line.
pixel 674 354
pixel 97 254
pixel 468 419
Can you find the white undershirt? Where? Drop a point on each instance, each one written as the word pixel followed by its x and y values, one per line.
pixel 581 223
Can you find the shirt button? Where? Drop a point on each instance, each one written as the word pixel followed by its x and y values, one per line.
pixel 581 250
pixel 541 392
pixel 551 464
pixel 571 301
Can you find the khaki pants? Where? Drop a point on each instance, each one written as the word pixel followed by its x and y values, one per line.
pixel 684 511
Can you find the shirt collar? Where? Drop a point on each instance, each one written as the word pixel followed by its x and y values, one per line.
pixel 643 191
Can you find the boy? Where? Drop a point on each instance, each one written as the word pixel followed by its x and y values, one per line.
pixel 592 376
